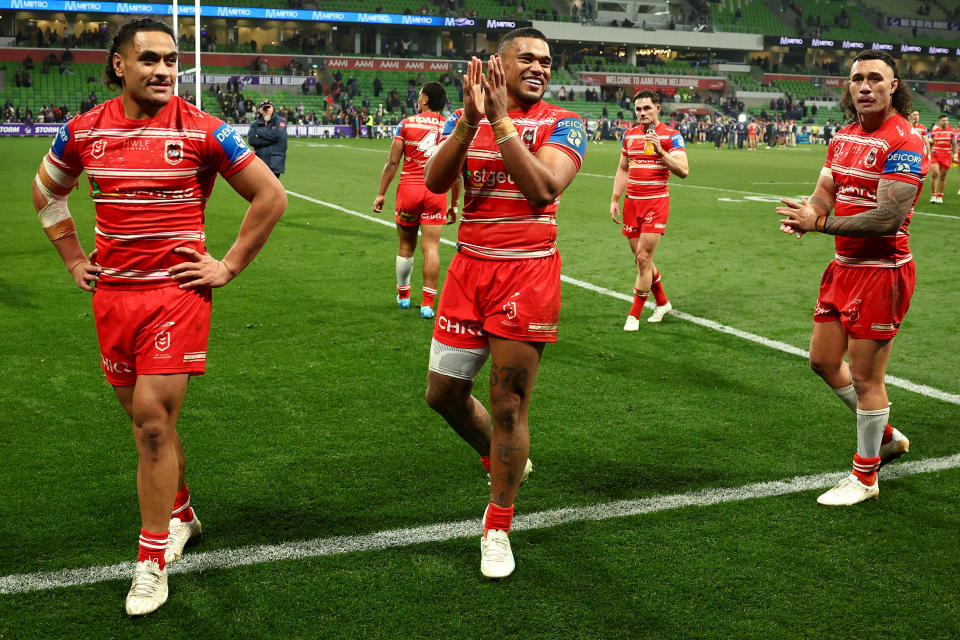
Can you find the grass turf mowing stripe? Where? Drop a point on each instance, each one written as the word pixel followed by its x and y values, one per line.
pixel 895 381
pixel 395 538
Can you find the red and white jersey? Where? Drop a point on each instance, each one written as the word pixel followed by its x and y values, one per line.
pixel 150 180
pixel 921 131
pixel 752 129
pixel 858 160
pixel 498 222
pixel 419 134
pixel 647 175
pixel 943 139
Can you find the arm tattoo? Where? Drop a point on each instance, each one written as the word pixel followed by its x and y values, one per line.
pixel 894 201
pixel 820 203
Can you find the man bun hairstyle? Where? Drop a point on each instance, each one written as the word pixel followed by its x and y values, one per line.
pixel 901 99
pixel 436 96
pixel 522 32
pixel 124 36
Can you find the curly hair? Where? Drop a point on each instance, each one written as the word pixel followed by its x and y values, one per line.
pixel 124 36
pixel 901 99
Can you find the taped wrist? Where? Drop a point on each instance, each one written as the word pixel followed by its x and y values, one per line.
pixel 463 132
pixel 503 130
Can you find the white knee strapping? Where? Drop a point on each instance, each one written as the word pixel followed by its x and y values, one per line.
pixel 456 362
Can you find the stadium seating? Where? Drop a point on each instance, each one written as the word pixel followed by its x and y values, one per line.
pixel 746 16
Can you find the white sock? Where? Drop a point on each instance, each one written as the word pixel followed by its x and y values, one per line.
pixel 870 426
pixel 404 269
pixel 848 395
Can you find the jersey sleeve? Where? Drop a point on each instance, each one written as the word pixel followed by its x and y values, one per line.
pixel 226 151
pixel 570 136
pixel 831 148
pixel 677 144
pixel 449 125
pixel 398 132
pixel 623 146
pixel 63 153
pixel 904 162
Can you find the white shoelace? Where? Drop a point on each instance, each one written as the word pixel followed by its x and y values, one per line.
pixel 146 581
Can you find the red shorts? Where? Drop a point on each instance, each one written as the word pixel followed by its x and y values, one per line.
pixel 151 331
pixel 870 302
pixel 645 216
pixel 513 299
pixel 945 160
pixel 418 205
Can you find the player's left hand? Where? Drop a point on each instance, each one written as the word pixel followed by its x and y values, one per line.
pixel 378 204
pixel 799 218
pixel 204 271
pixel 451 215
pixel 495 89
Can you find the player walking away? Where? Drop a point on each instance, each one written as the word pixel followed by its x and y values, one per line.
pixel 873 174
pixel 415 140
pixel 943 148
pixel 152 159
pixel 651 152
pixel 752 135
pixel 501 296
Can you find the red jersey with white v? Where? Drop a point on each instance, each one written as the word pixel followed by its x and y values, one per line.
pixel 419 135
pixel 943 138
pixel 647 174
pixel 498 222
pixel 858 160
pixel 150 180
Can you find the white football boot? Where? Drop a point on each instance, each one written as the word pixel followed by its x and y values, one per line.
pixel 180 533
pixel 897 446
pixel 496 557
pixel 850 491
pixel 149 589
pixel 632 324
pixel 659 312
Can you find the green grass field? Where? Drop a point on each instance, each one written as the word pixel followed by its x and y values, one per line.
pixel 310 425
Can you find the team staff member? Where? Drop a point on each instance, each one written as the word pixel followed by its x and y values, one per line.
pixel 873 175
pixel 943 150
pixel 152 272
pixel 501 296
pixel 415 140
pixel 268 137
pixel 651 152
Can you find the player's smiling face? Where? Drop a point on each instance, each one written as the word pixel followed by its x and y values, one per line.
pixel 872 86
pixel 526 63
pixel 148 67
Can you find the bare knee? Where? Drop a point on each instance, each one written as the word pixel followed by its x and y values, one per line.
pixel 445 395
pixel 152 430
pixel 506 410
pixel 826 368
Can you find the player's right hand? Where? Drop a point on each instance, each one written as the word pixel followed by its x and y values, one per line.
pixel 615 211
pixel 451 215
pixel 473 91
pixel 378 204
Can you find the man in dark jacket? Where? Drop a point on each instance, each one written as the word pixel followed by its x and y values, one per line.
pixel 268 137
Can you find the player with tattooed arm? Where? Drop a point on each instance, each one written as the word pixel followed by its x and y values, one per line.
pixel 501 296
pixel 871 180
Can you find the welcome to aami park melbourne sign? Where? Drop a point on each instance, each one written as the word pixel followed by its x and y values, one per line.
pixel 144 8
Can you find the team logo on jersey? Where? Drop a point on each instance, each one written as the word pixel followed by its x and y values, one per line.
pixel 871 158
pixel 99 146
pixel 529 135
pixel 575 138
pixel 173 151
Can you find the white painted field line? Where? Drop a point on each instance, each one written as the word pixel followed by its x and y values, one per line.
pixel 756 193
pixel 194 562
pixel 895 381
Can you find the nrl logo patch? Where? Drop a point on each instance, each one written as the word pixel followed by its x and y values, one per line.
pixel 173 151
